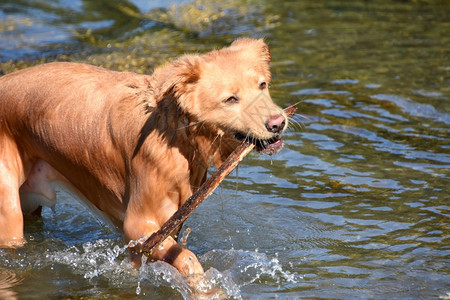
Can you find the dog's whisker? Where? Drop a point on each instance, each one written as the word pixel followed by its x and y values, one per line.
pixel 203 123
pixel 298 102
pixel 297 125
pixel 218 135
pixel 220 144
pixel 302 116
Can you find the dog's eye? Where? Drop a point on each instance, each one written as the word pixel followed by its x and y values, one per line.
pixel 231 100
pixel 262 85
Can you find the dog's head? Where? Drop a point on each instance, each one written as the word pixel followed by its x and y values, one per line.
pixel 229 88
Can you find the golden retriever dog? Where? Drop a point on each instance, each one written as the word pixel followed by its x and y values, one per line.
pixel 135 146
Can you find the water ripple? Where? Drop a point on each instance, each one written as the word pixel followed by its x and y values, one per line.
pixel 415 109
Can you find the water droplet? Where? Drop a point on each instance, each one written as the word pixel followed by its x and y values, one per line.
pixel 138 288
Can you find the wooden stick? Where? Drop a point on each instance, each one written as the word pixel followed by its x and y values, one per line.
pixel 202 193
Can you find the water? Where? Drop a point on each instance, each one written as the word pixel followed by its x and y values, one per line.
pixel 355 207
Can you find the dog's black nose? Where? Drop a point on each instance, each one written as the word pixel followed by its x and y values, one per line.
pixel 276 123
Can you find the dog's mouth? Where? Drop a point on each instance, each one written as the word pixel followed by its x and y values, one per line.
pixel 269 146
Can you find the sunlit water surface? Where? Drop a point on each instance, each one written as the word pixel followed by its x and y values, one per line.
pixel 355 207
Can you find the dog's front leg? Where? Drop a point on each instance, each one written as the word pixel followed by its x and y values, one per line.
pixel 12 175
pixel 169 250
pixel 172 253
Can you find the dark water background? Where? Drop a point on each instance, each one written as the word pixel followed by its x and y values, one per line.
pixel 355 207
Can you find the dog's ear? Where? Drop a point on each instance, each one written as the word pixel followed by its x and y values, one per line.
pixel 177 79
pixel 253 45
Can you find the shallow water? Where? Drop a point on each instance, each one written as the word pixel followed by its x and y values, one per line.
pixel 355 207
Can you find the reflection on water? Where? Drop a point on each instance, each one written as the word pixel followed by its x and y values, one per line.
pixel 356 206
pixel 8 279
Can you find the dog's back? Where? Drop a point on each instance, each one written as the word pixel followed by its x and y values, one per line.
pixel 62 113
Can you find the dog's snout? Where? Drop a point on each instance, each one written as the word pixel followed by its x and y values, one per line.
pixel 276 123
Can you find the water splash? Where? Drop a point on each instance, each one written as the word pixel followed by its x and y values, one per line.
pixel 248 267
pixel 103 258
pixel 108 260
pixel 229 270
